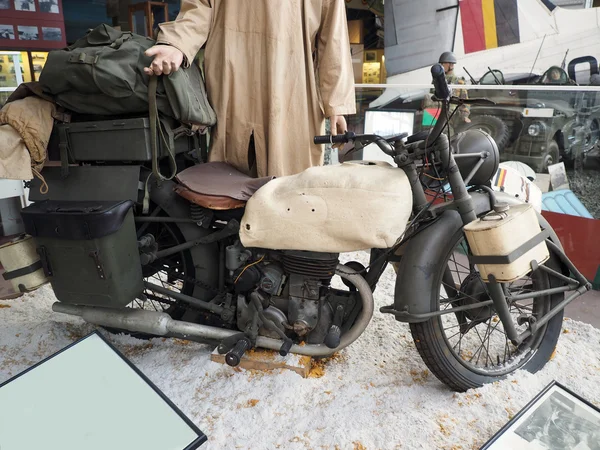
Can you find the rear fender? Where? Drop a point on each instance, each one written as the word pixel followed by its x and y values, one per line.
pixel 416 279
pixel 205 257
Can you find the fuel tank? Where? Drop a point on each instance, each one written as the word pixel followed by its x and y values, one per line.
pixel 342 208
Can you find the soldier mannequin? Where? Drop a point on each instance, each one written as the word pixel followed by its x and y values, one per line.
pixel 448 60
pixel 460 117
pixel 274 72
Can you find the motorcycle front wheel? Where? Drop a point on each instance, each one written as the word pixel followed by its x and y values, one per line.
pixel 468 349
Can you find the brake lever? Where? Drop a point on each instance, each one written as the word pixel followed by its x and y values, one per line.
pixel 396 137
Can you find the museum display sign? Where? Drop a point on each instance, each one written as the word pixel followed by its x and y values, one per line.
pixel 90 396
pixel 556 419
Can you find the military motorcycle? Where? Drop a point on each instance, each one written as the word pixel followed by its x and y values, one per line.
pixel 215 256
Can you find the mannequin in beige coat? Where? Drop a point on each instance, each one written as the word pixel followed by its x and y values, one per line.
pixel 274 71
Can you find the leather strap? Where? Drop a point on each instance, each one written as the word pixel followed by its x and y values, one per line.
pixel 22 271
pixel 64 151
pixel 204 146
pixel 155 127
pixel 82 58
pixel 124 37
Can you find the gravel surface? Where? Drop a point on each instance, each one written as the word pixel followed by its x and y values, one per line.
pixel 587 187
pixel 376 394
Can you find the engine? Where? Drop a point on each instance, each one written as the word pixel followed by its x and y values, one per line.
pixel 291 290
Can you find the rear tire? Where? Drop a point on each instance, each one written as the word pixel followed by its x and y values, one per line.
pixel 451 366
pixel 181 268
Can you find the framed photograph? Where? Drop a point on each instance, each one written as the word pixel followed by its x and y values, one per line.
pixel 5 4
pixel 25 5
pixel 51 34
pixel 7 32
pixel 556 419
pixel 27 33
pixel 370 56
pixel 49 6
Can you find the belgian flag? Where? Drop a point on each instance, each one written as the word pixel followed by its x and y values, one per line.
pixel 489 24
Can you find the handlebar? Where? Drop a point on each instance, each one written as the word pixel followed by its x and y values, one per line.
pixel 439 82
pixel 384 144
pixel 339 139
pixel 418 141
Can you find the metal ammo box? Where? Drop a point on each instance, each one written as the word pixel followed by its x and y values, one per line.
pixel 88 249
pixel 117 140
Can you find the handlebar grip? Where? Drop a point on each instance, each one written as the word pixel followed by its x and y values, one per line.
pixel 439 82
pixel 327 139
pixel 339 139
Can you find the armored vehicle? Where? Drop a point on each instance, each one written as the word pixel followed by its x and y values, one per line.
pixel 537 127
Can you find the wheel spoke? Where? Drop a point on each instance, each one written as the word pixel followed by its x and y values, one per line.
pixel 169 272
pixel 477 335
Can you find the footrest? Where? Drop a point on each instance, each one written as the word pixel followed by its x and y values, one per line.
pixel 265 360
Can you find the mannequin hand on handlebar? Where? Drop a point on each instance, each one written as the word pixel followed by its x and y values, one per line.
pixel 338 126
pixel 464 114
pixel 167 59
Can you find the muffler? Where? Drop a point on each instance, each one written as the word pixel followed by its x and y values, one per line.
pixel 161 324
pixel 142 321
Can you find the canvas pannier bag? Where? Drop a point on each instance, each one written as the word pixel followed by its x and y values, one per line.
pixel 103 74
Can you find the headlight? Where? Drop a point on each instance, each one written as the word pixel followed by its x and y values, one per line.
pixel 535 129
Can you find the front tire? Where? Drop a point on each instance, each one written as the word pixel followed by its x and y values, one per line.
pixel 551 156
pixel 468 350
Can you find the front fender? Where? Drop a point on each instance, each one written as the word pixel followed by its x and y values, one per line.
pixel 416 275
pixel 416 278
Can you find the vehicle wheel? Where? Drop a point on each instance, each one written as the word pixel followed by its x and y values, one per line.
pixel 174 272
pixel 469 349
pixel 592 134
pixel 492 125
pixel 552 155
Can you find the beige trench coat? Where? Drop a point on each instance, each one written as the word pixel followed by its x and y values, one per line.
pixel 275 69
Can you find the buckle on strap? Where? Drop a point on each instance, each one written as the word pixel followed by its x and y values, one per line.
pixel 82 58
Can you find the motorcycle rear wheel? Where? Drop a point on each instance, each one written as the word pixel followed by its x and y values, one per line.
pixel 174 272
pixel 456 346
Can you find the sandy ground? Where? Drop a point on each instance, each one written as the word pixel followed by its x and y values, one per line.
pixel 376 394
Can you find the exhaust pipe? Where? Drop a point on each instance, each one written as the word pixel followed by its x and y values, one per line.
pixel 142 321
pixel 161 324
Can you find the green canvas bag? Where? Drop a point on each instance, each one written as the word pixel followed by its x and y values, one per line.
pixel 102 73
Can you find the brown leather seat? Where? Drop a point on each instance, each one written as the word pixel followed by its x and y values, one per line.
pixel 217 185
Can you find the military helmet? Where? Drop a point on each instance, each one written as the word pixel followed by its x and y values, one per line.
pixel 447 57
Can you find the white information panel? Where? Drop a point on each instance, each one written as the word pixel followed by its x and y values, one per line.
pixel 386 124
pixel 89 396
